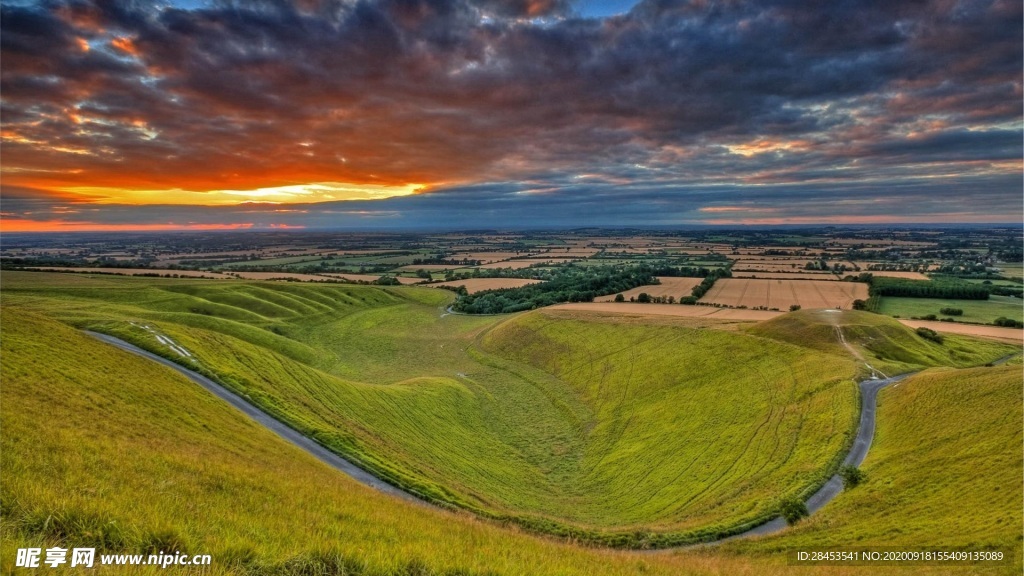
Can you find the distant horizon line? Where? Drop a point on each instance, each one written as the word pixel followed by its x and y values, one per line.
pixel 607 227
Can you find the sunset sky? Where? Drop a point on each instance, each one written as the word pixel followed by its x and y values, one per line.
pixel 192 114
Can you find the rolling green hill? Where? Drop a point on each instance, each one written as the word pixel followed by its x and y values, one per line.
pixel 101 448
pixel 944 471
pixel 880 341
pixel 616 433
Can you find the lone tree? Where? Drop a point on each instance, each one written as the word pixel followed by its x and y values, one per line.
pixel 852 476
pixel 620 298
pixel 794 307
pixel 793 510
pixel 643 297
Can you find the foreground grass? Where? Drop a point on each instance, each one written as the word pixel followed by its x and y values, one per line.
pixel 102 448
pixel 944 470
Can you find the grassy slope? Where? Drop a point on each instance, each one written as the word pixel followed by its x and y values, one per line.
pixel 687 438
pixel 945 470
pixel 881 341
pixel 500 428
pixel 976 311
pixel 135 457
pixel 463 425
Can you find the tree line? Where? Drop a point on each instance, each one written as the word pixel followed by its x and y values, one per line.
pixel 569 284
pixel 881 286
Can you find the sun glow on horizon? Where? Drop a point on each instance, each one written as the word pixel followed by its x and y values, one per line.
pixel 289 194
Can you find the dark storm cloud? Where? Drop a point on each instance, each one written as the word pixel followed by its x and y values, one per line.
pixel 674 95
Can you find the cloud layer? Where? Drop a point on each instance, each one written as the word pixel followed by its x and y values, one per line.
pixel 508 109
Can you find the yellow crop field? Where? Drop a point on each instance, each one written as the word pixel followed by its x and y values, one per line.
pixel 782 294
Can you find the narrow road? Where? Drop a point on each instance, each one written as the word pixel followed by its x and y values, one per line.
pixel 268 421
pixel 865 432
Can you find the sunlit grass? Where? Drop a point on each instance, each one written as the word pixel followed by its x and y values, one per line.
pixel 944 470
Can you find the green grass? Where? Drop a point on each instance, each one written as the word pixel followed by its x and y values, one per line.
pixel 617 433
pixel 380 376
pixel 279 261
pixel 684 427
pixel 1011 283
pixel 879 341
pixel 104 449
pixel 975 311
pixel 944 471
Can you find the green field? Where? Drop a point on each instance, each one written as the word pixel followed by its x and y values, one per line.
pixel 944 471
pixel 599 426
pixel 976 311
pixel 621 433
pixel 1011 283
pixel 119 453
pixel 382 377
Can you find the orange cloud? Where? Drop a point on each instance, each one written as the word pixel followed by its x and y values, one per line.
pixel 125 45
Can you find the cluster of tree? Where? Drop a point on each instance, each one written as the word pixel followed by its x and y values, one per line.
pixel 568 284
pixel 1008 322
pixel 929 334
pixel 19 262
pixel 1015 291
pixel 387 281
pixel 881 286
pixel 864 277
pixel 446 262
pixel 684 271
pixel 323 266
pixel 645 298
pixel 951 311
pixel 965 269
pixel 709 281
